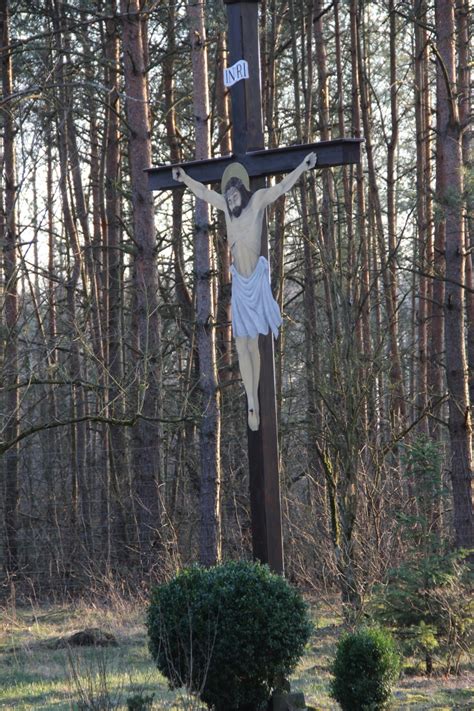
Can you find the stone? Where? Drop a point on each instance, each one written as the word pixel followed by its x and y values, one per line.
pixel 296 701
pixel 282 701
pixel 279 701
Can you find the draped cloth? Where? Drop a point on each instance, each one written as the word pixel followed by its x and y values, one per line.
pixel 254 310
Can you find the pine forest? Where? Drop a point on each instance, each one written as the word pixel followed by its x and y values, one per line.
pixel 123 415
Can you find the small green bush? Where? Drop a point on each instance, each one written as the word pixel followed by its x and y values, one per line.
pixel 365 669
pixel 227 633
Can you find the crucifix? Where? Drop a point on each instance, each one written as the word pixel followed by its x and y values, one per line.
pixel 243 74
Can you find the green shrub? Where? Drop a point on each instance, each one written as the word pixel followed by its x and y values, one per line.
pixel 365 669
pixel 421 466
pixel 227 633
pixel 428 603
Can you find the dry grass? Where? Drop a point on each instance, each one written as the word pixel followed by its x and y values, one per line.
pixel 34 676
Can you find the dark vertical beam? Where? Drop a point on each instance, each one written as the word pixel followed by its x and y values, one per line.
pixel 247 132
pixel 243 43
pixel 235 43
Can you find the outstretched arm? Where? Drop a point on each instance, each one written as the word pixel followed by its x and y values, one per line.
pixel 266 196
pixel 199 189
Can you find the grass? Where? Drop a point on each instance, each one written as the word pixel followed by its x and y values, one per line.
pixel 413 692
pixel 33 676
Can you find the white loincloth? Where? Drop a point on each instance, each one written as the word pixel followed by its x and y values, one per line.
pixel 254 310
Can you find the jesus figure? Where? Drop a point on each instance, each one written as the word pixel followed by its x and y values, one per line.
pixel 254 310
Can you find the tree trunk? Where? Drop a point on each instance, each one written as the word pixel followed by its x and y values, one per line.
pixel 146 434
pixel 449 165
pixel 304 134
pixel 224 331
pixel 172 134
pixel 118 505
pixel 424 257
pixel 9 238
pixel 76 401
pixel 362 291
pixel 54 443
pixel 210 525
pixel 465 101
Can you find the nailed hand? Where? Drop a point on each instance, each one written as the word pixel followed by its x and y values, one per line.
pixel 311 160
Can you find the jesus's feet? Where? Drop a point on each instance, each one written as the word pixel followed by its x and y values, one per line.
pixel 254 420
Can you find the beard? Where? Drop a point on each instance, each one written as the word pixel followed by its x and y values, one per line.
pixel 245 196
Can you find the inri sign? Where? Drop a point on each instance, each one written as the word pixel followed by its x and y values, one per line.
pixel 240 70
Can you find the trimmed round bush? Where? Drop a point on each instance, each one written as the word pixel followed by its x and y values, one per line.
pixel 227 633
pixel 365 669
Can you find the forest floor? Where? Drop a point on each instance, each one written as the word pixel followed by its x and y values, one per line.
pixel 35 676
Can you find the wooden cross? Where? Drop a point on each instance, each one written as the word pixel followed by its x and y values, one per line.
pixel 248 149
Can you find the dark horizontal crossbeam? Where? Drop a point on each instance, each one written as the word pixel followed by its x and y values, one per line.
pixel 342 151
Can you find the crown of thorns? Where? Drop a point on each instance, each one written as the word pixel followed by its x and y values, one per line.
pixel 235 170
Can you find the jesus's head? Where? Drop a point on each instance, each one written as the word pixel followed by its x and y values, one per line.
pixel 236 196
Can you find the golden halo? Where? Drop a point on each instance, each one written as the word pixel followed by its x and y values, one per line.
pixel 235 170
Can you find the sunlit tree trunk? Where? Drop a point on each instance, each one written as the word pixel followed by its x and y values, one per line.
pixel 224 335
pixel 449 165
pixel 463 16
